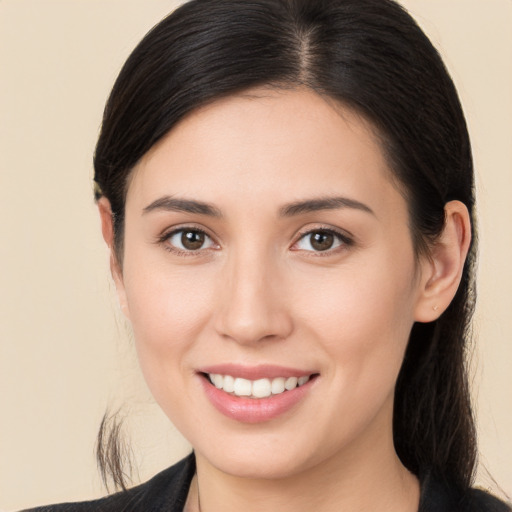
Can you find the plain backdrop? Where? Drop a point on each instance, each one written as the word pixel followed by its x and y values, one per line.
pixel 65 352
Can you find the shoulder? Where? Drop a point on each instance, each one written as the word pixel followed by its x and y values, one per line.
pixel 482 501
pixel 166 491
pixel 438 497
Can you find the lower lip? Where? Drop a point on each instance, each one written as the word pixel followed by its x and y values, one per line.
pixel 254 410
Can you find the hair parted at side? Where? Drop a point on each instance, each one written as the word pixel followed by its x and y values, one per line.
pixel 371 56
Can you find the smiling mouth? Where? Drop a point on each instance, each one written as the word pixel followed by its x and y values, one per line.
pixel 256 389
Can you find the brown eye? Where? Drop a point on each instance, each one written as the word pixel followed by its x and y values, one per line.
pixel 192 240
pixel 189 240
pixel 321 240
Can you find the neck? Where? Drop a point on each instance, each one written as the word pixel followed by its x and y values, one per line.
pixel 345 481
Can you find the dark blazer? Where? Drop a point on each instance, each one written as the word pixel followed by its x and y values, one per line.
pixel 167 492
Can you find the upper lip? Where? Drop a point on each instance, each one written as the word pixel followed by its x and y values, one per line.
pixel 264 371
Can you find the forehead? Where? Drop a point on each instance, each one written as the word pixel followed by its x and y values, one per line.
pixel 277 144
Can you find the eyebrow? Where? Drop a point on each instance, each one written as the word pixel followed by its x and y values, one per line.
pixel 168 203
pixel 322 203
pixel 172 204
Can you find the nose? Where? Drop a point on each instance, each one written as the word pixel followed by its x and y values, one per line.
pixel 252 305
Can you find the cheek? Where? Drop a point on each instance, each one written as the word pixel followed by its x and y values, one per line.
pixel 363 315
pixel 168 309
pixel 162 297
pixel 168 312
pixel 363 321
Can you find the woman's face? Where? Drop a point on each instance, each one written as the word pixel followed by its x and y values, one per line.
pixel 264 242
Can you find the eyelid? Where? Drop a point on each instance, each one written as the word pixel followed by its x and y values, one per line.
pixel 346 238
pixel 168 233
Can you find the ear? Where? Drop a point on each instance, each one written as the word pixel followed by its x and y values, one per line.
pixel 107 229
pixel 442 269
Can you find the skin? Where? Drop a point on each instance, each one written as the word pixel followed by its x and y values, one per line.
pixel 258 293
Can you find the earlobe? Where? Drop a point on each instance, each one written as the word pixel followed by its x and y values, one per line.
pixel 107 229
pixel 442 271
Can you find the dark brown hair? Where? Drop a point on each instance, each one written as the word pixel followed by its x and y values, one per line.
pixel 369 55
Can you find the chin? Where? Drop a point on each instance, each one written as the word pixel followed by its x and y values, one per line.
pixel 260 458
pixel 266 467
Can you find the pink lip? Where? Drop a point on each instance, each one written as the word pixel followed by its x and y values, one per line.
pixel 265 371
pixel 254 410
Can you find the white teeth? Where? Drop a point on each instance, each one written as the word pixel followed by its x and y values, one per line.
pixel 291 383
pixel 218 381
pixel 229 384
pixel 278 385
pixel 303 380
pixel 243 387
pixel 261 388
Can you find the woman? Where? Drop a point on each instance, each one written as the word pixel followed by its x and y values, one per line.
pixel 287 191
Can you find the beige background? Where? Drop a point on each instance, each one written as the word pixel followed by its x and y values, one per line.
pixel 65 354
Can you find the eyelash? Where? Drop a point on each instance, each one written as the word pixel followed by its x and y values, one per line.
pixel 164 240
pixel 344 239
